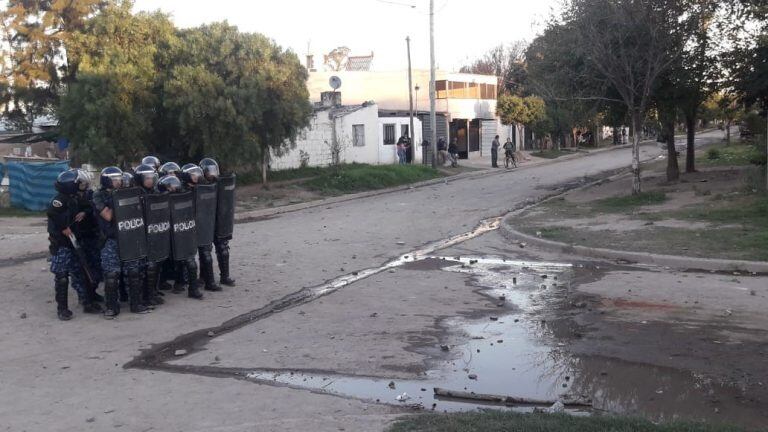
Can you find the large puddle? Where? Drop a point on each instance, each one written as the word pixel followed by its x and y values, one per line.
pixel 515 356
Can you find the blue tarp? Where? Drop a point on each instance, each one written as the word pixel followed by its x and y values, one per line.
pixel 31 184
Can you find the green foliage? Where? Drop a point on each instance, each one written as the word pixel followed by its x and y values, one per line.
pixel 144 86
pixel 528 111
pixel 505 421
pixel 109 110
pixel 630 202
pixel 35 38
pixel 361 177
pixel 713 154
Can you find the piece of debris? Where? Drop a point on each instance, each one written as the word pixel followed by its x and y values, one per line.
pixel 580 305
pixel 24 314
pixel 544 276
pixel 374 315
pixel 556 407
pixel 472 376
pixel 401 243
pixel 751 292
pixel 391 384
pixel 445 347
pixel 211 334
pixel 493 318
pixel 500 341
pixel 403 397
pixel 728 312
pixel 523 245
pixel 90 420
pixel 180 352
pixel 507 400
pixel 474 261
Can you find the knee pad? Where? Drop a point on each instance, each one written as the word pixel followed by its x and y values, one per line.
pixel 61 280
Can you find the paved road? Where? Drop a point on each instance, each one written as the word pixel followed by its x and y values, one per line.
pixel 70 376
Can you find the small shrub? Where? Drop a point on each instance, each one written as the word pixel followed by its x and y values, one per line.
pixel 713 154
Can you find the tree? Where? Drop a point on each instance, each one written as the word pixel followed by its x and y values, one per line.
pixel 629 43
pixel 232 95
pixel 336 60
pixel 109 109
pixel 528 111
pixel 507 62
pixel 36 35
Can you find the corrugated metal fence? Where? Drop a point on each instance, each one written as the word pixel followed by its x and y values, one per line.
pixel 31 184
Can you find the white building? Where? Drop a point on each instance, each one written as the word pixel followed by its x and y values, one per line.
pixel 337 133
pixel 466 103
pixel 392 126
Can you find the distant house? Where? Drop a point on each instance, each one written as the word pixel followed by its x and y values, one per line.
pixel 465 105
pixel 337 134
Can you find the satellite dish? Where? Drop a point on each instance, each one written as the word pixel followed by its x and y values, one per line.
pixel 335 82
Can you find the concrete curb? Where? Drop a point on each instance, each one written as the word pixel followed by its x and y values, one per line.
pixel 253 215
pixel 676 261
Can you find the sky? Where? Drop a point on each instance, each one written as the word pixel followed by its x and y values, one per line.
pixel 464 29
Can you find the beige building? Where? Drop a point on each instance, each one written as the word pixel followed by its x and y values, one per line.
pixel 466 103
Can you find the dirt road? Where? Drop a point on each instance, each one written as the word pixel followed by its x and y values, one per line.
pixel 360 332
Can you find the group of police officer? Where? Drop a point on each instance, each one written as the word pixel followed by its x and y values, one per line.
pixel 137 232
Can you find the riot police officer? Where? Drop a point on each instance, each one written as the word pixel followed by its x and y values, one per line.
pixel 152 161
pixel 192 176
pixel 187 266
pixel 111 179
pixel 169 168
pixel 62 213
pixel 87 232
pixel 146 179
pixel 211 173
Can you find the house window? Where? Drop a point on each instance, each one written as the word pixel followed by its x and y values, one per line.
pixel 404 130
pixel 389 134
pixel 358 135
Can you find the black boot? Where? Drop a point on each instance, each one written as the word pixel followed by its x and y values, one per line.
pixel 122 289
pixel 180 272
pixel 112 305
pixel 222 255
pixel 193 290
pixel 61 285
pixel 151 294
pixel 135 288
pixel 89 304
pixel 206 271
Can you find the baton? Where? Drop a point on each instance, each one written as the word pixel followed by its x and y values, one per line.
pixel 83 260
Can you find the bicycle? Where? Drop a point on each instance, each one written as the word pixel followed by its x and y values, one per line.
pixel 510 159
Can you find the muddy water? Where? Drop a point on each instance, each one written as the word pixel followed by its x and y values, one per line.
pixel 515 354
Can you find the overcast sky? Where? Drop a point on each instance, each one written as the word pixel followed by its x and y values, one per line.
pixel 464 29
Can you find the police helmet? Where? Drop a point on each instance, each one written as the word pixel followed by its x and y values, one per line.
pixel 84 179
pixel 67 182
pixel 152 161
pixel 108 177
pixel 169 183
pixel 210 168
pixel 127 180
pixel 191 173
pixel 145 172
pixel 170 168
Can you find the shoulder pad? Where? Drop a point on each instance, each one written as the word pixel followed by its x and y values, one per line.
pixel 57 203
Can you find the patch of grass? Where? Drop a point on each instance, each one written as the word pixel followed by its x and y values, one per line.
pixel 498 421
pixel 629 202
pixel 732 155
pixel 551 154
pixel 251 177
pixel 360 177
pixel 17 212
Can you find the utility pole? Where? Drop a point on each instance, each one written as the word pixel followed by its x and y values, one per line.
pixel 432 117
pixel 411 132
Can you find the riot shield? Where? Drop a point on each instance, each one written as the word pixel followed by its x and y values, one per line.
pixel 205 213
pixel 157 216
pixel 225 210
pixel 129 220
pixel 183 232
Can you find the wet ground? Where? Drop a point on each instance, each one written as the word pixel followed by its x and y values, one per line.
pixel 529 338
pixel 336 291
